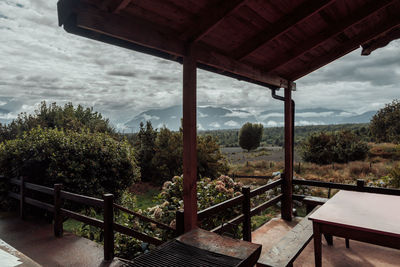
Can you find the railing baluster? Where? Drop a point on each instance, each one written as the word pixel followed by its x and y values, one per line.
pixel 58 218
pixel 360 185
pixel 179 224
pixel 246 207
pixel 108 227
pixel 22 199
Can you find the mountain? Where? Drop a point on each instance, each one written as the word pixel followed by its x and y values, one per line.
pixel 215 118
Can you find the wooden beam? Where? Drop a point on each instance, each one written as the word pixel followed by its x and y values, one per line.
pixel 352 44
pixel 120 6
pixel 210 18
pixel 189 141
pixel 280 27
pixel 144 33
pixel 287 190
pixel 370 9
pixel 380 41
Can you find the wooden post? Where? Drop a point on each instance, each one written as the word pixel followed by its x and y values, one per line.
pixel 287 190
pixel 22 198
pixel 180 223
pixel 246 207
pixel 108 227
pixel 58 219
pixel 360 185
pixel 189 141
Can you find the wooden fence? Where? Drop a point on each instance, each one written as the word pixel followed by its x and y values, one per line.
pixel 108 225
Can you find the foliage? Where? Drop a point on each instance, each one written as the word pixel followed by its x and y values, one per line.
pixel 274 136
pixel 340 147
pixel 385 124
pixel 161 155
pixel 394 176
pixel 145 147
pixel 250 136
pixel 53 116
pixel 85 163
pixel 385 150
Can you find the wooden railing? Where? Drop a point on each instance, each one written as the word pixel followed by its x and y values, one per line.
pixel 247 211
pixel 359 186
pixel 108 224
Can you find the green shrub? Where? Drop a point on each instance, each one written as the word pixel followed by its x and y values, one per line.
pixel 340 147
pixel 85 163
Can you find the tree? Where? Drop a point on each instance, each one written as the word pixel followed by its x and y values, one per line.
pixel 160 155
pixel 385 124
pixel 250 136
pixel 145 147
pixel 57 117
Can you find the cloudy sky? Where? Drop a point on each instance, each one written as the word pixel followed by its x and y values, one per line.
pixel 40 61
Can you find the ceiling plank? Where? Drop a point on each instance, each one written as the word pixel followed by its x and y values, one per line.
pixel 280 27
pixel 142 32
pixel 314 41
pixel 210 18
pixel 352 44
pixel 122 5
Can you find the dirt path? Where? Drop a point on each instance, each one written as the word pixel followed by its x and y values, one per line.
pixel 239 155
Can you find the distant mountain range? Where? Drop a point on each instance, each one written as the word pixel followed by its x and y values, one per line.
pixel 214 118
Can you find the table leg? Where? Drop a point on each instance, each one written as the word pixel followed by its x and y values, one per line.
pixel 317 245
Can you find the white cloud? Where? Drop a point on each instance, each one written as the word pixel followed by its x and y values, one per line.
pixel 231 123
pixel 149 117
pixel 239 114
pixel 40 61
pixel 314 114
pixel 215 125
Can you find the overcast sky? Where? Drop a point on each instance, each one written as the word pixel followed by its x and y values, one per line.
pixel 40 61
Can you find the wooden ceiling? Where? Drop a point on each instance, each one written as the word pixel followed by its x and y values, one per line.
pixel 267 42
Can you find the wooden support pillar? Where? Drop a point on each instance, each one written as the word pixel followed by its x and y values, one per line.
pixel 108 229
pixel 189 141
pixel 58 218
pixel 287 189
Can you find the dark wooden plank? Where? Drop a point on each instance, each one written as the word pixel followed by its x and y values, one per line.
pixel 39 204
pixel 108 230
pixel 14 195
pixel 287 187
pixel 290 246
pixel 144 218
pixel 82 218
pixel 266 205
pixel 348 187
pixel 227 226
pixel 262 189
pixel 91 201
pixel 156 38
pixel 246 210
pixel 368 10
pixel 40 188
pixel 283 25
pixel 189 140
pixel 388 23
pixel 220 207
pixel 15 181
pixel 138 235
pixel 210 18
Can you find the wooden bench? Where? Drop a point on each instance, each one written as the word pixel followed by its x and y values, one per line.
pixel 312 202
pixel 290 246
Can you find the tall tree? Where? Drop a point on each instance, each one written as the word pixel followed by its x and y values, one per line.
pixel 250 135
pixel 385 124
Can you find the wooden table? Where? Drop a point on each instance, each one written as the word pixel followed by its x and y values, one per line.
pixel 365 217
pixel 201 248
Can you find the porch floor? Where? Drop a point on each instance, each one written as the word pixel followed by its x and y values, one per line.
pixel 359 254
pixel 35 239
